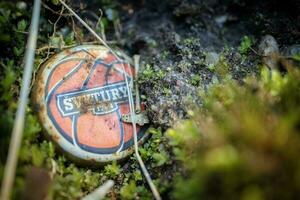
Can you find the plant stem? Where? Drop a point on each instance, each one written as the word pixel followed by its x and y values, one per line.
pixel 17 133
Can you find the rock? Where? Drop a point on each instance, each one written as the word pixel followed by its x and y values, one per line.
pixel 291 50
pixel 291 56
pixel 269 49
pixel 21 5
pixel 211 59
pixel 221 20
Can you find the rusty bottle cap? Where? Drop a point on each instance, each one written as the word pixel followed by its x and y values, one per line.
pixel 81 94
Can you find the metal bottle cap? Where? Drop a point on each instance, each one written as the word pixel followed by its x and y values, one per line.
pixel 80 95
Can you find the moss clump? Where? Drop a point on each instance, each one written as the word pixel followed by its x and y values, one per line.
pixel 243 143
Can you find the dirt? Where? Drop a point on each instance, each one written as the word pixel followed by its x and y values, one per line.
pixel 175 37
pixel 182 41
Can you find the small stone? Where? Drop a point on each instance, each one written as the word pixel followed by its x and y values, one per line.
pixel 291 50
pixel 177 38
pixel 211 59
pixel 269 49
pixel 21 5
pixel 221 20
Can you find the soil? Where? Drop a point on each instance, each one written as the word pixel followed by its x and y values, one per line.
pixel 183 40
pixel 175 37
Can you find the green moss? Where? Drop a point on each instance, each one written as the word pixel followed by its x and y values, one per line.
pixel 196 79
pixel 148 72
pixel 189 41
pixel 165 54
pixel 244 137
pixel 112 170
pixel 296 57
pixel 245 45
pixel 131 191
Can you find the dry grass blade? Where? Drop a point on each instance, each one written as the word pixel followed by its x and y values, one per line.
pixel 14 147
pixel 100 192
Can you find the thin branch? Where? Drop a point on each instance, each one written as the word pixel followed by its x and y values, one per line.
pixel 59 17
pixel 100 192
pixel 47 47
pixel 23 32
pixel 74 30
pixel 38 67
pixel 254 51
pixel 99 22
pixel 17 133
pixel 136 59
pixel 55 12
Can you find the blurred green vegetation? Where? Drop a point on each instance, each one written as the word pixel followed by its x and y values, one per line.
pixel 244 142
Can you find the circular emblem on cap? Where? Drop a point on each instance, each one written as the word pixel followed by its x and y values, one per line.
pixel 80 95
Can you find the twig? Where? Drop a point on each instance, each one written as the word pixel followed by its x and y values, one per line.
pixel 16 138
pixel 54 25
pixel 100 192
pixel 136 59
pixel 89 29
pixel 254 51
pixel 74 30
pixel 54 168
pixel 23 32
pixel 118 28
pixel 55 12
pixel 102 28
pixel 131 104
pixel 38 67
pixel 47 47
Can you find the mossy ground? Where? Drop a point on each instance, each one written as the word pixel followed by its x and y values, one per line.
pixel 244 122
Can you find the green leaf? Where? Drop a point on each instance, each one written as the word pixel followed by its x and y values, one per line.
pixel 37 156
pixel 69 40
pixel 18 51
pixel 112 170
pixel 296 57
pixel 129 191
pixel 161 158
pixel 245 45
pixel 6 83
pixel 57 41
pixel 9 78
pixel 138 175
pixel 22 25
pixel 32 127
pixel 55 2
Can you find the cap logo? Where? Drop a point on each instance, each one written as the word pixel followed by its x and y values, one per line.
pixel 100 100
